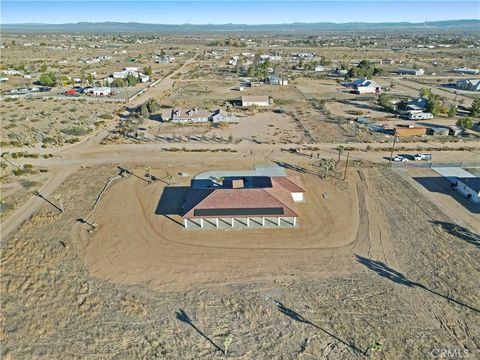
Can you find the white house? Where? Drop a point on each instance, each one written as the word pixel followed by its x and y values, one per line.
pixel 464 70
pixel 469 187
pixel 408 71
pixel 275 80
pixel 255 100
pixel 469 84
pixel 101 91
pixel 365 86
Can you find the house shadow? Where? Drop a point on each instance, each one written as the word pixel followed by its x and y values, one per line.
pixel 297 317
pixel 439 184
pixel 156 117
pixel 397 277
pixel 171 202
pixel 295 168
pixel 459 232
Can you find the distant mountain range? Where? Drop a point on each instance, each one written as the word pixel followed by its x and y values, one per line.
pixel 107 27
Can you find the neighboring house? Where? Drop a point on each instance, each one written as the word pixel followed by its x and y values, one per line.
pixel 101 91
pixel 195 115
pixel 469 187
pixel 456 130
pixel 469 84
pixel 464 70
pixel 413 115
pixel 365 86
pixel 387 61
pixel 275 80
pixel 130 71
pixel 408 71
pixel 255 100
pixel 419 104
pixel 243 200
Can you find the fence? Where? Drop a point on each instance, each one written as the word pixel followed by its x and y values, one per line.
pixel 410 164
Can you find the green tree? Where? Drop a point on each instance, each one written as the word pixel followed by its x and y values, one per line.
pixel 43 68
pixel 131 80
pixel 466 123
pixel 452 111
pixel 90 79
pixel 117 83
pixel 434 104
pixel 385 101
pixel 425 92
pixel 153 106
pixel 143 111
pixel 48 79
pixel 251 71
pixel 475 108
pixel 148 70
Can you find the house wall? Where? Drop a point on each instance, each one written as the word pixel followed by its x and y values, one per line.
pixel 297 196
pixel 466 191
pixel 258 103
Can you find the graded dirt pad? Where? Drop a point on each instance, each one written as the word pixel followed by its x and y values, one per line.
pixel 409 281
pixel 133 244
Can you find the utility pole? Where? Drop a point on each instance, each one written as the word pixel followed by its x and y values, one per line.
pixel 126 91
pixel 393 148
pixel 346 166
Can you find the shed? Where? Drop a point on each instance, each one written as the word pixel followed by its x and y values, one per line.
pixel 410 131
pixel 455 130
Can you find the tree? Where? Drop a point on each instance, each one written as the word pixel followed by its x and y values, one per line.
pixel 452 111
pixel 152 105
pixel 251 71
pixel 425 92
pixel 48 79
pixel 90 79
pixel 434 104
pixel 131 80
pixel 117 83
pixel 327 165
pixel 148 70
pixel 385 101
pixel 43 68
pixel 466 123
pixel 143 110
pixel 475 108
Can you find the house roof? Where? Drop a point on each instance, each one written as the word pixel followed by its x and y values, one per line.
pixel 182 114
pixel 228 202
pixel 255 98
pixel 291 183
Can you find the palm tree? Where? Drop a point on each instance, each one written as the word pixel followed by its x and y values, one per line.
pixel 340 150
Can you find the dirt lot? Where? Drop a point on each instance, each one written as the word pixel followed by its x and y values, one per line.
pixel 376 262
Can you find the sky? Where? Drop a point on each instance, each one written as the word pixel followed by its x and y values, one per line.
pixel 238 12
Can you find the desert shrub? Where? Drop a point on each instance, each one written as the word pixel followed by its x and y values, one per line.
pixel 76 130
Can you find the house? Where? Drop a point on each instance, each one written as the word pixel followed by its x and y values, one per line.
pixel 255 100
pixel 387 62
pixel 409 71
pixel 464 70
pixel 438 131
pixel 275 80
pixel 419 104
pixel 410 131
pixel 242 199
pixel 101 91
pixel 195 115
pixel 456 130
pixel 414 115
pixel 469 187
pixel 365 86
pixel 469 84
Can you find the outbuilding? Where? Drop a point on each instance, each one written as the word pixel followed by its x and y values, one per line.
pixel 469 187
pixel 255 100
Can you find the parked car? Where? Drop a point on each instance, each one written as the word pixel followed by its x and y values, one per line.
pixel 399 158
pixel 424 157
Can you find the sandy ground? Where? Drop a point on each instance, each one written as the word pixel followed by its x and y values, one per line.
pixel 407 281
pixel 167 255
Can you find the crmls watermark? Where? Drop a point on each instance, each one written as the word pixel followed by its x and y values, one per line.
pixel 449 353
